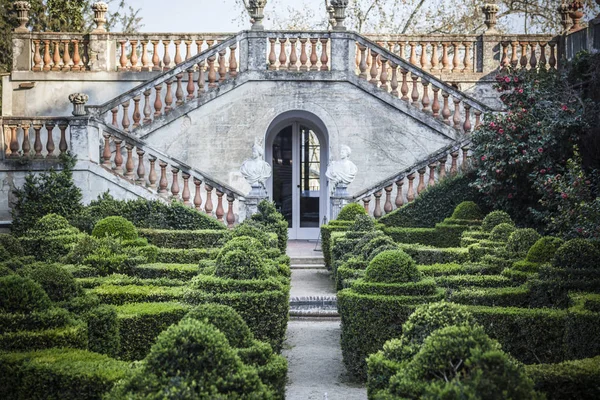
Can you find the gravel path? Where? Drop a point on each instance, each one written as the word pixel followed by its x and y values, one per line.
pixel 311 282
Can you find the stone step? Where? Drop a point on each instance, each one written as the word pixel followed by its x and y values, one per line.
pixel 306 260
pixel 316 307
pixel 307 266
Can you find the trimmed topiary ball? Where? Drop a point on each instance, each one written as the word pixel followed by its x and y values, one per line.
pixel 58 283
pixel 22 295
pixel 544 249
pixel 363 223
pixel 392 266
pixel 115 226
pixel 495 218
pixel 241 258
pixel 226 320
pixel 376 243
pixel 350 211
pixel 502 232
pixel 51 224
pixel 252 229
pixel 467 210
pixel 520 241
pixel 577 254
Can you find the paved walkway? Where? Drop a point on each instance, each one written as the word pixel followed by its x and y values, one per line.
pixel 312 346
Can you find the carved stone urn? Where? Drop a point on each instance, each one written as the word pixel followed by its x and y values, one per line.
pixel 576 14
pixel 256 10
pixel 78 100
pixel 490 10
pixel 22 8
pixel 339 13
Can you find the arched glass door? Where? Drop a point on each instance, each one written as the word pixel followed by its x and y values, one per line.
pixel 298 186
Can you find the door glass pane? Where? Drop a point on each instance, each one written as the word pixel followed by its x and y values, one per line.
pixel 282 173
pixel 310 178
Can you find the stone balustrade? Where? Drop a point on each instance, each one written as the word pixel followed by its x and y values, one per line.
pixel 158 97
pixel 393 192
pixel 62 52
pixel 531 52
pixel 298 51
pixel 402 79
pixel 170 179
pixel 34 138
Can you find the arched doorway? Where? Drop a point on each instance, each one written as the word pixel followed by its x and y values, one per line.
pixel 297 149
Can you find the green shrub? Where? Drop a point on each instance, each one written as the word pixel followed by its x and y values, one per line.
pixel 499 297
pixel 520 241
pixel 48 319
pixel 375 243
pixel 115 226
pixel 426 255
pixel 502 232
pixel 226 320
pixel 139 324
pixel 467 210
pixel 577 379
pixel 434 204
pixel 362 223
pixel 103 330
pixel 273 222
pixel 350 211
pixel 494 219
pixel 57 282
pixel 544 249
pixel 51 223
pixel 68 374
pixel 577 254
pixel 254 230
pixel 113 294
pixel 74 336
pixel 172 271
pixel 12 245
pixel 50 239
pixel 4 270
pixel 240 264
pixel 424 287
pixel 271 368
pixel 184 256
pixel 326 231
pixel 466 281
pixel 22 295
pixel 392 266
pixel 194 358
pixel 185 239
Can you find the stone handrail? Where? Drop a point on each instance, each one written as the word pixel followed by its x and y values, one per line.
pixel 436 162
pixel 173 175
pixel 298 50
pixel 19 132
pixel 208 66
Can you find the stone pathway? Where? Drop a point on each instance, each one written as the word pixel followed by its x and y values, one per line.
pixel 312 346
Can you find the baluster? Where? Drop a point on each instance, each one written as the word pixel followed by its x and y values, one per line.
pixel 455 57
pixel 435 107
pixel 377 211
pixel 362 66
pixel 197 196
pixel 190 84
pixel 513 55
pixel 456 118
pixel 410 195
pixel 185 195
pixel 232 61
pixel 222 68
pixel 533 59
pixel 208 204
pixel 366 201
pixel 147 109
pixel 141 170
pixel 168 97
pixel 157 101
pixel 543 61
pixel 146 66
pixel 383 77
pixel 114 112
pixel 303 55
pixel 56 58
pixel 37 143
pixel 431 174
pixel 293 58
pixel 118 168
pixel 445 59
pixel 313 54
pixel 200 78
pixel 477 118
pixel 219 212
pixel 465 158
pixel 47 59
pixel 394 83
pixel 413 53
pixel 425 64
pixel 425 100
pixel 152 174
pixel 137 116
pixel 434 57
pixel 125 121
pixel 505 61
pixel 212 74
pixel 134 56
pixel 467 124
pixel 14 142
pixel 374 70
pixel 272 56
pixel 199 43
pixel 446 110
pixel 37 59
pixel 163 183
pixel 178 58
pixel 415 91
pixel 324 57
pixel 123 58
pixel 175 184
pixel 399 197
pixel 106 154
pixel 387 207
pixel 442 173
pixel 77 64
pixel 62 144
pixel 230 216
pixel 401 49
pixel 454 166
pixel 66 56
pixel 155 57
pixel 26 146
pixel 188 49
pixel 50 140
pixel 467 61
pixel 523 60
pixel 552 60
pixel 282 55
pixel 421 185
pixel 179 90
pixel 166 56
pixel 129 163
pixel 404 87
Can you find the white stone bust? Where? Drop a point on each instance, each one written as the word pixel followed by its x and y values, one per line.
pixel 343 171
pixel 256 170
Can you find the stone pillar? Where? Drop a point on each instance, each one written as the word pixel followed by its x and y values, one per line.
pixel 489 44
pixel 253 52
pixel 256 10
pixel 343 54
pixel 22 8
pixel 78 100
pixel 100 8
pixel 85 140
pixel 102 52
pixel 338 200
pixel 339 13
